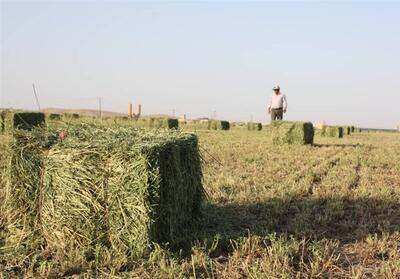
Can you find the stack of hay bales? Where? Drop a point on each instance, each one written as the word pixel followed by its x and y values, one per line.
pixel 284 132
pixel 332 131
pixel 104 193
pixel 12 120
pixel 251 126
pixel 219 125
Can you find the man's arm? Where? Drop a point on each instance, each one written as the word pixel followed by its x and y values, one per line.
pixel 270 105
pixel 284 103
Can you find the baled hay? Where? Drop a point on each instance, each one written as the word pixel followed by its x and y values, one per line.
pixel 284 132
pixel 69 116
pixel 12 120
pixel 219 125
pixel 332 131
pixel 254 126
pixel 195 125
pixel 158 123
pixel 109 193
pixel 54 116
pixel 21 180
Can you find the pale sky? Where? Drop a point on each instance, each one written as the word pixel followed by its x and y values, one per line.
pixel 337 62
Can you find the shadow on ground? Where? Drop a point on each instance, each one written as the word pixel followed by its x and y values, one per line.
pixel 338 145
pixel 343 219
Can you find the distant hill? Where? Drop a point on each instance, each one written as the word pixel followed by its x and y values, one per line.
pixel 84 112
pixel 93 112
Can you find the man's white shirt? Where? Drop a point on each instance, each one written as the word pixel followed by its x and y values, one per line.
pixel 278 101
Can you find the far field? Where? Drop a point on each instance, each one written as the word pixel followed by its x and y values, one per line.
pixel 331 210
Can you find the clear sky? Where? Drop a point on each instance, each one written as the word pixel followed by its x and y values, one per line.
pixel 338 62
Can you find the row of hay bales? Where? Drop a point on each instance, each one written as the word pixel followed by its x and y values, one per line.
pixel 100 194
pixel 338 131
pixel 195 125
pixel 285 132
pixel 250 126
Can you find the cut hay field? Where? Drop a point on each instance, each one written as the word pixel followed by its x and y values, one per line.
pixel 331 210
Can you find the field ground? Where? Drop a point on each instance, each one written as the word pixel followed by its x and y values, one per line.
pixel 331 210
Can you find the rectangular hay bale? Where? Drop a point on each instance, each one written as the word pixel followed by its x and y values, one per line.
pixel 105 192
pixel 284 132
pixel 251 126
pixel 12 120
pixel 219 125
pixel 332 131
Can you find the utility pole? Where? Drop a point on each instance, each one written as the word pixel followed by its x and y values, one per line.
pixel 100 107
pixel 36 97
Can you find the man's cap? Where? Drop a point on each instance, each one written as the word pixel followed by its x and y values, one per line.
pixel 276 88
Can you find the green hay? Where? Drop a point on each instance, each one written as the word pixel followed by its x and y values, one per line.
pixel 219 125
pixel 105 193
pixel 347 131
pixel 352 128
pixel 332 131
pixel 21 192
pixel 284 132
pixel 254 126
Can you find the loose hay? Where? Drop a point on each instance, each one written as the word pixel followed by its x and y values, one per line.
pixel 106 193
pixel 284 132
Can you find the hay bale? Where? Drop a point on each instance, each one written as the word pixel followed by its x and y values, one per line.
pixel 69 116
pixel 332 131
pixel 284 132
pixel 254 126
pixel 12 120
pixel 21 190
pixel 159 123
pixel 352 128
pixel 54 116
pixel 219 125
pixel 195 125
pixel 347 130
pixel 106 193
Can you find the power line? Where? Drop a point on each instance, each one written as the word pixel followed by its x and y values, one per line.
pixel 36 97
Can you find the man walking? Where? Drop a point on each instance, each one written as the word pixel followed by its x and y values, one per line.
pixel 278 105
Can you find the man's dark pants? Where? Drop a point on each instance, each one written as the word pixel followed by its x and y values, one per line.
pixel 276 114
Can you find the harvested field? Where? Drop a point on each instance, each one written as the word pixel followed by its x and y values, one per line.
pixel 272 214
